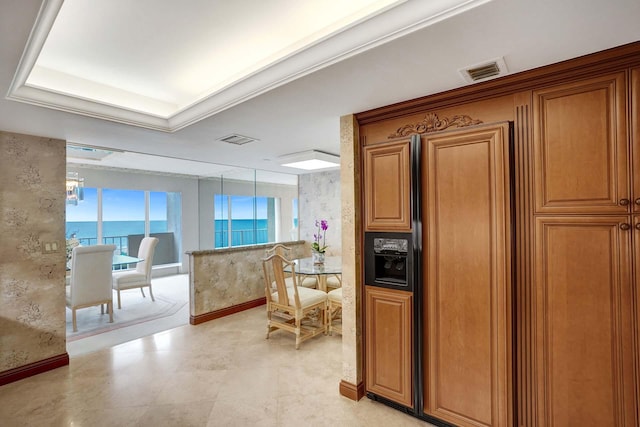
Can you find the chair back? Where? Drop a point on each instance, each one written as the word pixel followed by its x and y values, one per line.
pixel 273 267
pixel 91 268
pixel 146 251
pixel 279 249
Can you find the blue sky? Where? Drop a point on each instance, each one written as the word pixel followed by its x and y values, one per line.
pixel 128 205
pixel 118 205
pixel 241 207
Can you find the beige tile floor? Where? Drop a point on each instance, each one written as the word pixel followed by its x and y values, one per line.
pixel 220 373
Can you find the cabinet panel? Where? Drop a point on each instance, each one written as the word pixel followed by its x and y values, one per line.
pixel 583 322
pixel 635 136
pixel 387 183
pixel 467 330
pixel 389 327
pixel 581 147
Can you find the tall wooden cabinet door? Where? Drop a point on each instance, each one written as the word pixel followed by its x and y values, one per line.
pixel 635 136
pixel 389 326
pixel 581 147
pixel 387 186
pixel 583 322
pixel 467 331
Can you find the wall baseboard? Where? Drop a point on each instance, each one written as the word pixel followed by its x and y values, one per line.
pixel 352 391
pixel 216 314
pixel 34 368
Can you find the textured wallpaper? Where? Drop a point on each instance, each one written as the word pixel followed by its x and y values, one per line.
pixel 319 198
pixel 32 301
pixel 226 277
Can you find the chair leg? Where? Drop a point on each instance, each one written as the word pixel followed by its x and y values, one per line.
pixel 119 306
pixel 73 317
pixel 150 292
pixel 110 309
pixel 102 309
pixel 298 330
pixel 327 319
pixel 143 295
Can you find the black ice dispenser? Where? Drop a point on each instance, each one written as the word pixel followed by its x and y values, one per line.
pixel 389 260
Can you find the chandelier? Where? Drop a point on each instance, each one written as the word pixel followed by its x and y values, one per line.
pixel 75 186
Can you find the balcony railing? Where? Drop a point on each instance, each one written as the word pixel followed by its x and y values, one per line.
pixel 165 252
pixel 241 237
pixel 121 242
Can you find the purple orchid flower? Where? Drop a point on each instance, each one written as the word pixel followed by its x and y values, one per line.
pixel 322 227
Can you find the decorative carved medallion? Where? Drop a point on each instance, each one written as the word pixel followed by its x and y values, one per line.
pixel 432 123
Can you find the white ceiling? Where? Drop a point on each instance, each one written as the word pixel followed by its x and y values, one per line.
pixel 410 49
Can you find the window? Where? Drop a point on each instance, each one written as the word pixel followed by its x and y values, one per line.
pixel 124 217
pixel 82 219
pixel 249 223
pixel 123 214
pixel 252 207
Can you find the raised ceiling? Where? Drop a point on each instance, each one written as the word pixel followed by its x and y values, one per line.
pixel 165 66
pixel 402 52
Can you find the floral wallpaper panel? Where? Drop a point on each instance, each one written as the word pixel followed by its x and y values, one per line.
pixel 32 210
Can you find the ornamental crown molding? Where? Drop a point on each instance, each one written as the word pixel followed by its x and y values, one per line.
pixel 432 123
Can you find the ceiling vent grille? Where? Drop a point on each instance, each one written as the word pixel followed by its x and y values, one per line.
pixel 237 139
pixel 484 71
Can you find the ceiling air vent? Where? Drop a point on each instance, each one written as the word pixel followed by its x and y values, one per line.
pixel 484 71
pixel 237 139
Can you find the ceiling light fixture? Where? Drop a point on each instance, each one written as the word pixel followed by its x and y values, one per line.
pixel 75 188
pixel 310 160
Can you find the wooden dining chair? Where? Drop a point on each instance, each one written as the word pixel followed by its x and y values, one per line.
pixel 285 251
pixel 288 307
pixel 334 311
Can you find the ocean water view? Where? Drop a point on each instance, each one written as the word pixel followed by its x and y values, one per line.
pixel 242 231
pixel 89 229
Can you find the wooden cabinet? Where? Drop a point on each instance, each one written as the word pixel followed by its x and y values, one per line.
pixel 635 136
pixel 584 321
pixel 581 147
pixel 576 246
pixel 467 328
pixel 387 185
pixel 389 351
pixel 584 324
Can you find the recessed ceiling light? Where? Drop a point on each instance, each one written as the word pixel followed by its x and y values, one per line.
pixel 310 160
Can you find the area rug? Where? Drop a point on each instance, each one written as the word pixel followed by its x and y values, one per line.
pixel 135 309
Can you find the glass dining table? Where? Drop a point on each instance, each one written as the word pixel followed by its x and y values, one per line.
pixel 120 261
pixel 331 266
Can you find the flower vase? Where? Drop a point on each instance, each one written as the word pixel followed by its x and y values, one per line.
pixel 318 257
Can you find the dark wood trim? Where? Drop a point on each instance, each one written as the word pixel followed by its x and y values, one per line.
pixel 617 58
pixel 34 368
pixel 216 314
pixel 352 391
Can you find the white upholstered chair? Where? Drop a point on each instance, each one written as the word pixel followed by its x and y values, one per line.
pixel 288 307
pixel 303 280
pixel 334 281
pixel 334 311
pixel 90 280
pixel 141 276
